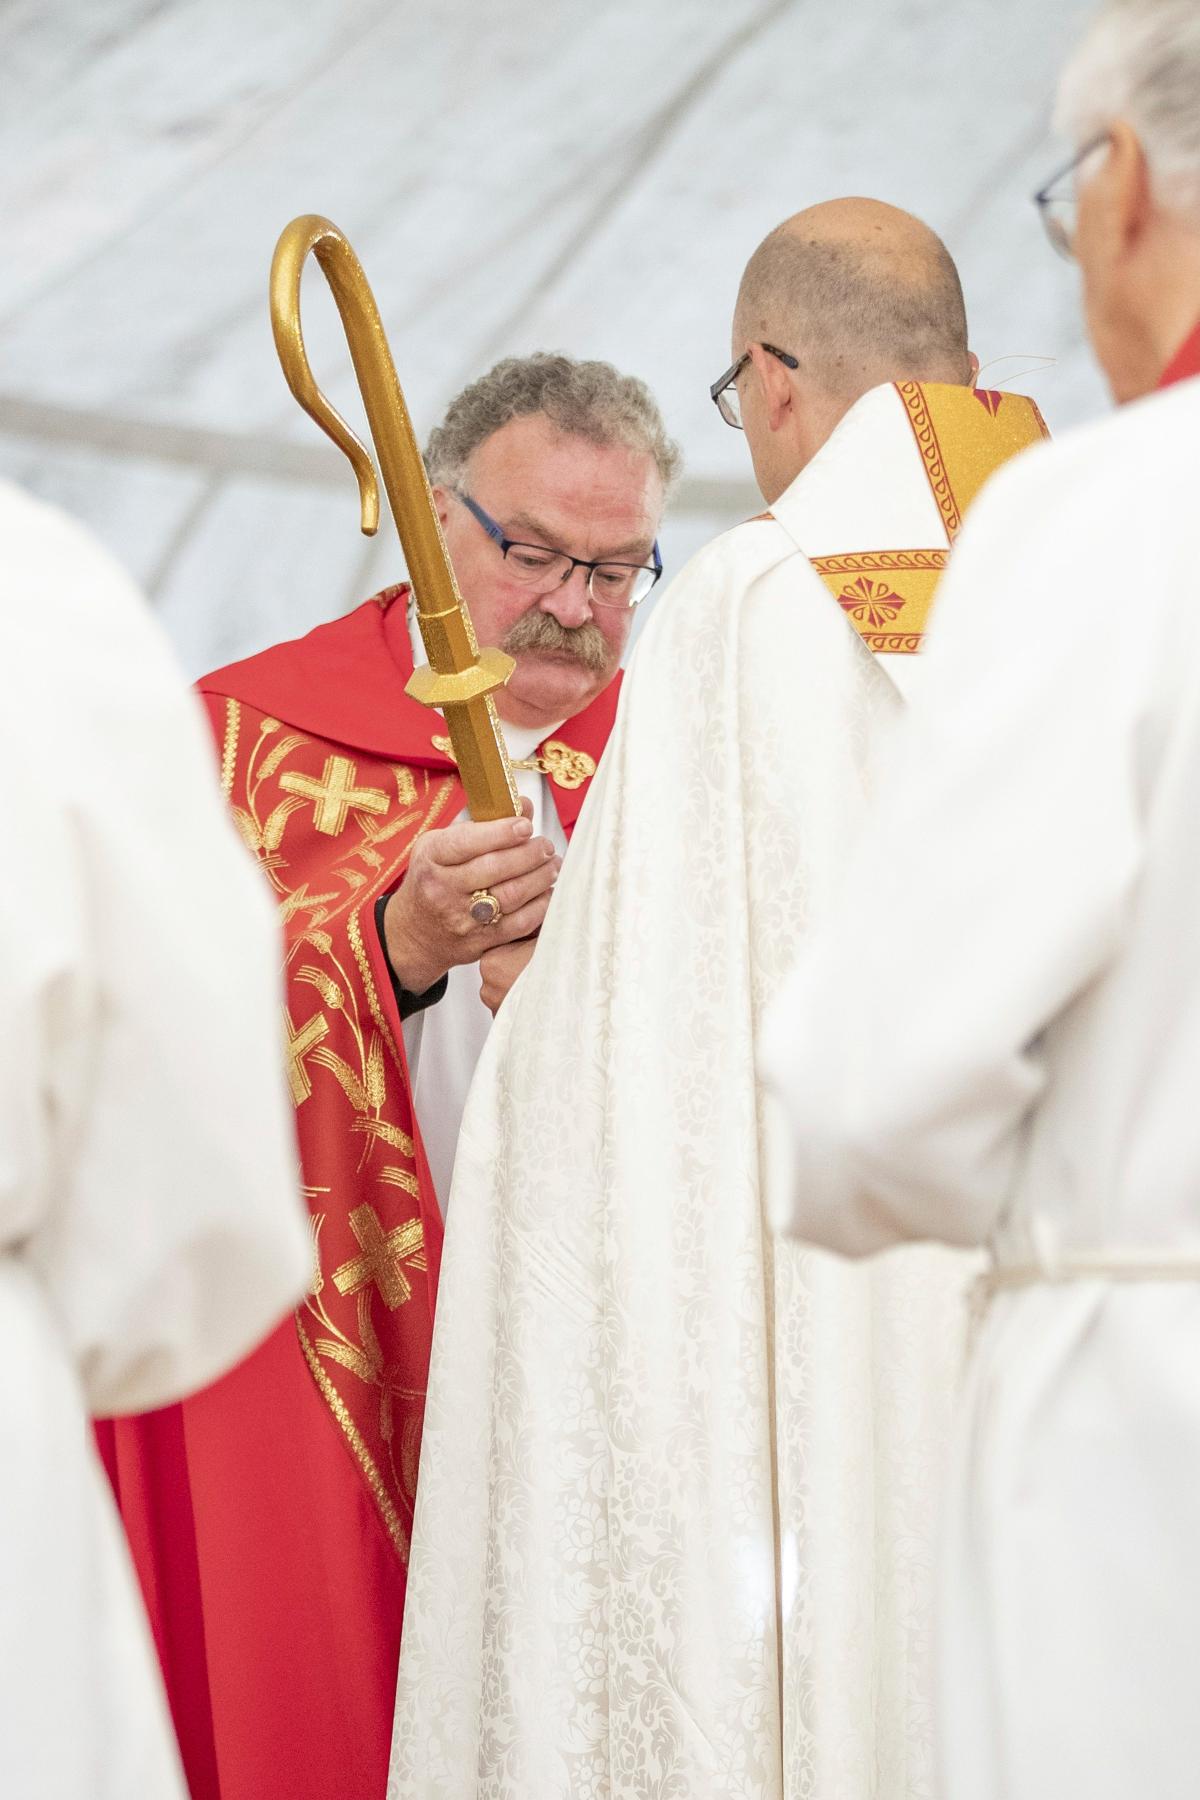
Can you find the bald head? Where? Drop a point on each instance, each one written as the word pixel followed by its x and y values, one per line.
pixel 861 293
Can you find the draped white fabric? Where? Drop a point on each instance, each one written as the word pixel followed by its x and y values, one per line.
pixel 676 1509
pixel 150 1221
pixel 1036 852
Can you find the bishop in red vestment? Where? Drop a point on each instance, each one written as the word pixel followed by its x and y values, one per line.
pixel 269 1516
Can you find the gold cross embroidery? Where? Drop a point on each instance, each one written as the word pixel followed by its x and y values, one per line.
pixel 299 1043
pixel 335 794
pixel 383 1259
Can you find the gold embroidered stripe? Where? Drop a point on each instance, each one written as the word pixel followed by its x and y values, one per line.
pixel 964 435
pixel 887 595
pixel 229 749
pixel 362 1455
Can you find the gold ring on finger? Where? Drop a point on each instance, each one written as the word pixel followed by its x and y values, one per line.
pixel 485 908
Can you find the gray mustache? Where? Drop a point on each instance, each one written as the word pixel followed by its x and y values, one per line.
pixel 541 631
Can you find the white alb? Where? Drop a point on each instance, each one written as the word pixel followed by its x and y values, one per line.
pixel 1025 1075
pixel 150 1222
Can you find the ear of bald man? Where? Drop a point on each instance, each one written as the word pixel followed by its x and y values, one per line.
pixel 778 395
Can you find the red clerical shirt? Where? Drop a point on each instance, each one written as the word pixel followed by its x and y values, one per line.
pixel 270 1515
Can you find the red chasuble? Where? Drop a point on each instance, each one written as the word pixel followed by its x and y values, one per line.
pixel 269 1516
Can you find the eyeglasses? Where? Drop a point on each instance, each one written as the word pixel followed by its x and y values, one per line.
pixel 616 584
pixel 726 398
pixel 1057 211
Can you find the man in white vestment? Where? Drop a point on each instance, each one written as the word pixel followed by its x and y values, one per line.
pixel 1024 1074
pixel 674 1523
pixel 150 1221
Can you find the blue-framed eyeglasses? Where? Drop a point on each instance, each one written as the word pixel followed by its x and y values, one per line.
pixel 617 584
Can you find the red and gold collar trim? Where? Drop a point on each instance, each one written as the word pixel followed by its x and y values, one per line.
pixel 345 682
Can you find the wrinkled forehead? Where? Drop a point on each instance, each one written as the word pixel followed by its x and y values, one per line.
pixel 533 473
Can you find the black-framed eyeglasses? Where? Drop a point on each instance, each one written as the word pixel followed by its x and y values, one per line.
pixel 1057 211
pixel 724 391
pixel 617 584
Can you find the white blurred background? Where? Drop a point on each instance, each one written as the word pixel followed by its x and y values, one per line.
pixel 583 175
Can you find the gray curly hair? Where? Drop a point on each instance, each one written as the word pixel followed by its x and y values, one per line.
pixel 1140 60
pixel 592 400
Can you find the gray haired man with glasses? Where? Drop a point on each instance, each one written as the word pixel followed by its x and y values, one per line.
pixel 550 476
pixel 1127 205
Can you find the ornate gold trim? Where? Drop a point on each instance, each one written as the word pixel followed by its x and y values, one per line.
pixel 875 587
pixel 857 562
pixel 340 1411
pixel 566 767
pixel 229 749
pixel 919 417
pixel 354 932
pixel 964 435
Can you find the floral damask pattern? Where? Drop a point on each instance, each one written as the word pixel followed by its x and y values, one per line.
pixel 679 1481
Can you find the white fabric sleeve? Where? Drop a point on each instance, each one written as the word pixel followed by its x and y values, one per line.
pixel 169 1232
pixel 988 888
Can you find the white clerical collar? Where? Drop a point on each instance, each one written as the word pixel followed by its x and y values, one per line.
pixel 873 413
pixel 866 488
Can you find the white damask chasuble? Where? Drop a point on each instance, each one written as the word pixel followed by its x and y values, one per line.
pixel 675 1518
pixel 150 1221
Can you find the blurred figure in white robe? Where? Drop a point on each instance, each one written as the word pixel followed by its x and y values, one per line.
pixel 1024 1074
pixel 150 1221
pixel 676 1510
